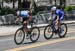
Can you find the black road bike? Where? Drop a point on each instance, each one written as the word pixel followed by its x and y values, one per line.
pixel 21 33
pixel 49 30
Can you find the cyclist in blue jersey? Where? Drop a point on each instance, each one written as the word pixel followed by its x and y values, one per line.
pixel 60 15
pixel 57 14
pixel 26 16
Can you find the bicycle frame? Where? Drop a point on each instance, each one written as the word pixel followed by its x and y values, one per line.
pixel 53 26
pixel 24 27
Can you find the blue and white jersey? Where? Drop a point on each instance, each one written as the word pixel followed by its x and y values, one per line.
pixel 22 14
pixel 53 16
pixel 60 13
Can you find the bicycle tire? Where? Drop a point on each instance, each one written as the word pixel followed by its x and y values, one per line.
pixel 59 34
pixel 32 34
pixel 45 35
pixel 15 36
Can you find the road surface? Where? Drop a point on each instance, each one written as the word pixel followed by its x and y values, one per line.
pixel 54 44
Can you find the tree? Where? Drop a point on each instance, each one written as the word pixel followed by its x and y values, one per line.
pixel 8 1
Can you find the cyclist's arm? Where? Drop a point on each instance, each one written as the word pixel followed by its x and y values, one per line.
pixel 18 16
pixel 50 17
pixel 62 16
pixel 57 14
pixel 57 18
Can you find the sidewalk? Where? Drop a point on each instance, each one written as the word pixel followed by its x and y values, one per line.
pixel 10 30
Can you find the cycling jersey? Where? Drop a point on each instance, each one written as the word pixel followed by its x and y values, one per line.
pixel 22 14
pixel 60 13
pixel 53 16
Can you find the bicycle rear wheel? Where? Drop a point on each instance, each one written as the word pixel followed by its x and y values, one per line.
pixel 19 36
pixel 35 34
pixel 62 30
pixel 48 32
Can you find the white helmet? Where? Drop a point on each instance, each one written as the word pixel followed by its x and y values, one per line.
pixel 53 8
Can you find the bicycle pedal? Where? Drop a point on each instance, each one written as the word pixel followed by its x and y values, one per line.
pixel 28 37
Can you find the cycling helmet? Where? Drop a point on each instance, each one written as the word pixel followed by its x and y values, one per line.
pixel 53 8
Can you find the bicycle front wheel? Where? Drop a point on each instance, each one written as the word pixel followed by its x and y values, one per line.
pixel 62 30
pixel 19 36
pixel 48 32
pixel 35 34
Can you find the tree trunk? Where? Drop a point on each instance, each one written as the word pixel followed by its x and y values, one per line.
pixel 19 4
pixel 13 4
pixel 2 3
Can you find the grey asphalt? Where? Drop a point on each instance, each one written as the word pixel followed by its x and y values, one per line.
pixel 7 42
pixel 61 46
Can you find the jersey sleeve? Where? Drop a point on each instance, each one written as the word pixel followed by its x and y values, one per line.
pixel 62 16
pixel 57 12
pixel 18 12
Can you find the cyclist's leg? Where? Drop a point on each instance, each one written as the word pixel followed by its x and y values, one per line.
pixel 60 25
pixel 54 24
pixel 54 28
pixel 57 22
pixel 59 29
pixel 25 23
pixel 60 21
pixel 28 29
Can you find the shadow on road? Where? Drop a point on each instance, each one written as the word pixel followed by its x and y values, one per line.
pixel 31 42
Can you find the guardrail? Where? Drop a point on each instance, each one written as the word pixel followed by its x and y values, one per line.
pixel 70 15
pixel 7 19
pixel 40 18
pixel 10 19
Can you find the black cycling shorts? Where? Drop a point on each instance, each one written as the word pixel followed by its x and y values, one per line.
pixel 25 19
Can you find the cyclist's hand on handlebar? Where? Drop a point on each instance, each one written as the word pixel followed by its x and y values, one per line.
pixel 17 19
pixel 49 18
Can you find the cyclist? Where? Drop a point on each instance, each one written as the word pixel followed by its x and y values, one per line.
pixel 60 14
pixel 57 14
pixel 26 16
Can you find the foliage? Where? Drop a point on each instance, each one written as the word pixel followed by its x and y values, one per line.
pixel 7 10
pixel 73 7
pixel 7 1
pixel 69 8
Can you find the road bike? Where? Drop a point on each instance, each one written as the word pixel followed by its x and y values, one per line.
pixel 49 30
pixel 21 33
